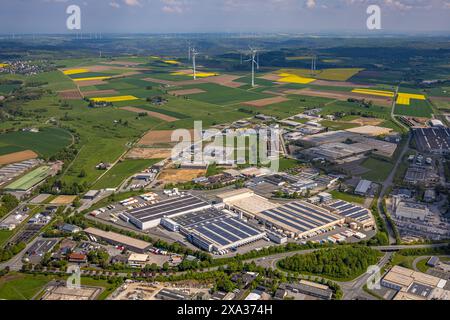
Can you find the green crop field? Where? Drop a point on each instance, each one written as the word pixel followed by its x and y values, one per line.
pixel 30 179
pixel 347 197
pixel 117 174
pixel 5 149
pixel 333 74
pixel 220 95
pixel 46 142
pixel 4 236
pixel 379 170
pixel 417 108
pixel 355 109
pixel 21 286
pixel 18 286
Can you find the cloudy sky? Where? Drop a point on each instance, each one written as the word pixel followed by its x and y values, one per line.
pixel 143 16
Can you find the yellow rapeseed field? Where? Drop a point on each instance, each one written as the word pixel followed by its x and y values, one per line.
pixel 171 62
pixel 292 78
pixel 371 92
pixel 115 99
pixel 91 79
pixel 405 98
pixel 75 71
pixel 199 74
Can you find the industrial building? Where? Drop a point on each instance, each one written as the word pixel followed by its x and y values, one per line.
pixel 222 234
pixel 432 140
pixel 353 213
pixel 213 230
pixel 363 187
pixel 113 238
pixel 310 288
pixel 150 215
pixel 299 219
pixel 413 285
pixel 337 152
pixel 245 202
pixel 411 210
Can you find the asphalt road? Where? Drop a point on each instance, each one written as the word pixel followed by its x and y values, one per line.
pixel 386 185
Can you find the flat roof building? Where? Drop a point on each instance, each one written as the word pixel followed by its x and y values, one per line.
pixel 150 216
pixel 432 140
pixel 411 210
pixel 353 213
pixel 412 284
pixel 222 234
pixel 299 219
pixel 246 202
pixel 137 260
pixel 132 244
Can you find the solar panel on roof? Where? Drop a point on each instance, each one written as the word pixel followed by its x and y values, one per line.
pixel 212 236
pixel 277 218
pixel 250 231
pixel 343 208
pixel 314 214
pixel 311 223
pixel 239 233
pixel 223 233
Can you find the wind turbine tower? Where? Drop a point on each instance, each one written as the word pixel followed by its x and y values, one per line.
pixel 314 65
pixel 194 54
pixel 189 51
pixel 254 54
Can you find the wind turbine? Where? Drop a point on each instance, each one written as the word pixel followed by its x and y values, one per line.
pixel 189 51
pixel 314 65
pixel 194 54
pixel 254 54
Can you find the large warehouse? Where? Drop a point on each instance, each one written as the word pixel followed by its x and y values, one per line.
pixel 132 244
pixel 150 216
pixel 299 219
pixel 353 213
pixel 213 231
pixel 433 140
pixel 245 202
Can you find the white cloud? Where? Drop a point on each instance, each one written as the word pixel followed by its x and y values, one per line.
pixel 310 4
pixel 114 4
pixel 132 3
